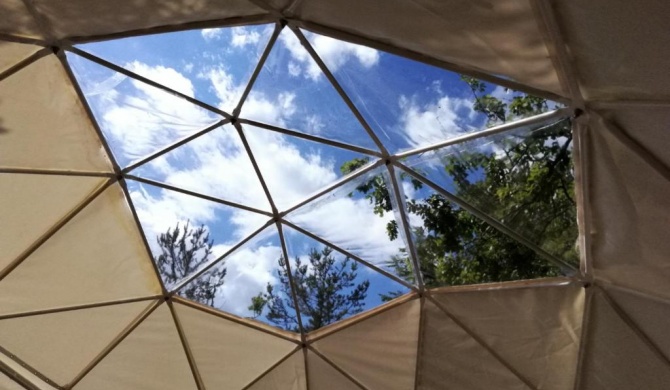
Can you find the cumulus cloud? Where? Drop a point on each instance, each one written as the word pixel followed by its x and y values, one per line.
pixel 243 36
pixel 333 52
pixel 211 33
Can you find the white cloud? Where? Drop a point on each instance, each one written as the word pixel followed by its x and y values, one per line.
pixel 333 52
pixel 211 33
pixel 243 36
pixel 426 124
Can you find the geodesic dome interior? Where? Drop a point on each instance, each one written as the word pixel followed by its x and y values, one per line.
pixel 282 133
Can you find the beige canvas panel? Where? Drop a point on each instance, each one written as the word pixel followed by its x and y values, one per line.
pixel 380 351
pixel 651 316
pixel 15 19
pixel 229 355
pixel 8 384
pixel 97 256
pixel 289 375
pixel 76 18
pixel 44 125
pixel 31 204
pixel 151 357
pixel 536 330
pixel 451 359
pixel 649 126
pixel 630 209
pixel 323 376
pixel 12 53
pixel 616 358
pixel 620 48
pixel 60 345
pixel 501 38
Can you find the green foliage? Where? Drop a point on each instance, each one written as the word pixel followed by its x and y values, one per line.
pixel 526 182
pixel 183 251
pixel 325 290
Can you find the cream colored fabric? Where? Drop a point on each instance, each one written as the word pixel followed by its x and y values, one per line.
pixel 630 208
pixel 616 358
pixel 36 382
pixel 536 329
pixel 44 124
pixel 451 359
pixel 8 384
pixel 619 48
pixel 98 256
pixel 151 357
pixel 323 376
pixel 227 354
pixel 13 53
pixel 16 20
pixel 651 316
pixel 380 351
pixel 289 375
pixel 499 37
pixel 95 17
pixel 60 345
pixel 32 204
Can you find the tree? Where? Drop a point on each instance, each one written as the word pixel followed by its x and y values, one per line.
pixel 325 290
pixel 183 251
pixel 527 182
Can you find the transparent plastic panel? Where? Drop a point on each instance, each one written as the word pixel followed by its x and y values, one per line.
pixel 523 178
pixel 358 218
pixel 136 118
pixel 331 286
pixel 211 65
pixel 186 232
pixel 292 92
pixel 410 104
pixel 294 168
pixel 237 284
pixel 455 247
pixel 215 164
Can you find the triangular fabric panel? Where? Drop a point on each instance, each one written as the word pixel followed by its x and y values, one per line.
pixel 536 329
pixel 44 125
pixel 150 357
pixel 227 353
pixel 206 229
pixel 32 204
pixel 7 383
pixel 25 373
pixel 212 65
pixel 321 375
pixel 215 164
pixel 380 351
pixel 451 358
pixel 15 19
pixel 307 166
pixel 97 256
pixel 630 209
pixel 12 53
pixel 650 315
pixel 136 118
pixel 288 375
pixel 615 357
pixel 61 344
pixel 292 92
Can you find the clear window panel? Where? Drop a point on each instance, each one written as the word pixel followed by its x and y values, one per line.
pixel 455 247
pixel 185 232
pixel 331 286
pixel 292 92
pixel 523 178
pixel 294 168
pixel 237 283
pixel 410 104
pixel 215 164
pixel 358 218
pixel 136 119
pixel 212 65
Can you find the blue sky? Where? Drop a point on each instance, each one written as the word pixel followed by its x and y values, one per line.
pixel 406 103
